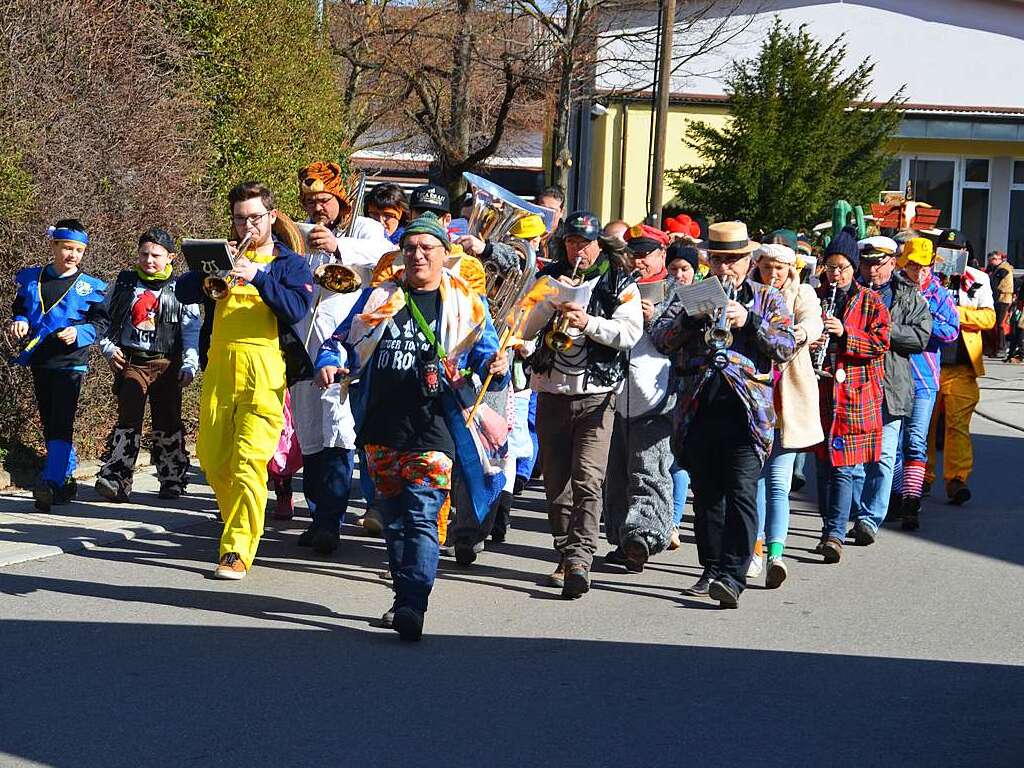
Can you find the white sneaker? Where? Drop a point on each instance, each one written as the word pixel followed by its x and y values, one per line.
pixel 777 573
pixel 756 567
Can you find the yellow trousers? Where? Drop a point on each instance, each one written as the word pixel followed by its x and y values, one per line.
pixel 240 421
pixel 958 397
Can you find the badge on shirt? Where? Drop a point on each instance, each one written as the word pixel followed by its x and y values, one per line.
pixel 838 443
pixel 840 376
pixel 82 288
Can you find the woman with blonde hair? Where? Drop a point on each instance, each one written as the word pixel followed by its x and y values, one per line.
pixel 795 397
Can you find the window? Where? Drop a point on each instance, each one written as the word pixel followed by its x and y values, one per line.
pixel 976 170
pixel 891 175
pixel 1015 239
pixel 933 182
pixel 1018 172
pixel 974 204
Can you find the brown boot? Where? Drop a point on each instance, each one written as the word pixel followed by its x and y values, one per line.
pixel 832 549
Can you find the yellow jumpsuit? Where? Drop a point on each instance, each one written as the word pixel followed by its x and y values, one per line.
pixel 958 397
pixel 241 414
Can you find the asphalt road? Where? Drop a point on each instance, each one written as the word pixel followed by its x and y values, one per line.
pixel 908 653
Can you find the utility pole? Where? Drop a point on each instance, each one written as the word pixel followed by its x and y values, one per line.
pixel 668 21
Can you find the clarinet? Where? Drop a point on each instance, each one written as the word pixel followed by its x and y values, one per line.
pixel 828 310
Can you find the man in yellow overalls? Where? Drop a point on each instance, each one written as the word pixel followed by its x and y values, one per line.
pixel 961 365
pixel 245 340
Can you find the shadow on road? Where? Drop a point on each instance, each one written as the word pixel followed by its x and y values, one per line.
pixel 126 694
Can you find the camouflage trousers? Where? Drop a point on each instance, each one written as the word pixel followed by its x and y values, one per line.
pixel 155 381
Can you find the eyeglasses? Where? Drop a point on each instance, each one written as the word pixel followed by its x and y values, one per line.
pixel 410 250
pixel 253 219
pixel 317 202
pixel 724 258
pixel 838 269
pixel 875 261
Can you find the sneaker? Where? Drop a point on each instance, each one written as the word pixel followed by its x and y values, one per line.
pixel 726 596
pixel 465 553
pixel 230 567
pixel 43 495
pixel 674 542
pixel 756 567
pixel 557 578
pixel 324 542
pixel 701 587
pixel 577 581
pixel 306 537
pixel 777 573
pixel 863 534
pixel 372 522
pixel 408 623
pixel 110 491
pixel 958 492
pixel 832 550
pixel 388 619
pixel 911 520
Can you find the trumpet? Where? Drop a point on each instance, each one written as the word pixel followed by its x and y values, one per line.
pixel 558 338
pixel 219 284
pixel 828 309
pixel 718 336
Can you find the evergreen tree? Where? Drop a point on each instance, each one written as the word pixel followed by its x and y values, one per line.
pixel 797 138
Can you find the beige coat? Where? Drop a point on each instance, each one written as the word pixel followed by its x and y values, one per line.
pixel 800 420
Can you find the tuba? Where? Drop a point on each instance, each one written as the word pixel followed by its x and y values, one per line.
pixel 494 212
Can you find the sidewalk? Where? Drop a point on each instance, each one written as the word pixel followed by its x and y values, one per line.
pixel 1002 394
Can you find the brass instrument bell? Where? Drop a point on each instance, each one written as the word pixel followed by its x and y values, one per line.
pixel 337 278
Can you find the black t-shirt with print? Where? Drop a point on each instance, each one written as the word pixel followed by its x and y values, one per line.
pixel 398 414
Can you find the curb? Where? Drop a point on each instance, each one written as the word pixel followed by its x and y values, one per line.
pixel 101 538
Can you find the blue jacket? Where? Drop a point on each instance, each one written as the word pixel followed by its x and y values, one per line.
pixel 81 307
pixel 286 286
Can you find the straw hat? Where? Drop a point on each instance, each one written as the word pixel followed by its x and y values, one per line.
pixel 730 237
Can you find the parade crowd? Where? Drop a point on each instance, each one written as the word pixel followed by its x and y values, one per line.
pixel 371 333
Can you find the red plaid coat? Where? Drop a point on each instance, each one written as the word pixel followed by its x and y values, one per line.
pixel 851 411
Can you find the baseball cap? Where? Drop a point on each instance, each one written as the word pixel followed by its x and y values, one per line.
pixel 430 197
pixel 582 224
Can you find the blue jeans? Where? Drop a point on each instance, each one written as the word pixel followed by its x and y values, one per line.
pixel 327 481
pixel 914 442
pixel 410 531
pixel 872 482
pixel 773 493
pixel 836 498
pixel 680 485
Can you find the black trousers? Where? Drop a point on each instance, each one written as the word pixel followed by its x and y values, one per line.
pixel 57 397
pixel 719 454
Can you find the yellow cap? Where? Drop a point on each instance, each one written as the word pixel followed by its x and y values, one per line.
pixel 918 250
pixel 528 227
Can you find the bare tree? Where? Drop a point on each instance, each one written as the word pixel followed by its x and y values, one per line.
pixel 609 47
pixel 461 72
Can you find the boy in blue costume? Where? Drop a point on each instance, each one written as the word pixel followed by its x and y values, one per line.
pixel 58 314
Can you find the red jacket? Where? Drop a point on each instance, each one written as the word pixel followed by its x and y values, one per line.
pixel 851 410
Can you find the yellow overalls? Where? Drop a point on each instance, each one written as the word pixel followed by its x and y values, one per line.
pixel 241 413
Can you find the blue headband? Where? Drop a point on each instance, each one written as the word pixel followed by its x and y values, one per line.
pixel 68 234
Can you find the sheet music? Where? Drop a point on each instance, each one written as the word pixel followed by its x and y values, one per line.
pixel 207 256
pixel 703 298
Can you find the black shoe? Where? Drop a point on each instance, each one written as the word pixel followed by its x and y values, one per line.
pixel 498 537
pixel 911 520
pixel 324 542
pixel 799 481
pixel 958 492
pixel 169 492
pixel 863 535
pixel 519 485
pixel 895 510
pixel 637 554
pixel 306 537
pixel 577 581
pixel 408 623
pixel 465 553
pixel 43 495
pixel 726 596
pixel 67 493
pixel 702 586
pixel 616 557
